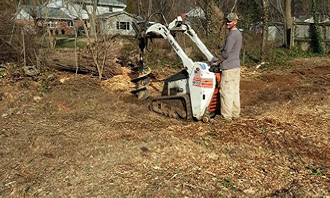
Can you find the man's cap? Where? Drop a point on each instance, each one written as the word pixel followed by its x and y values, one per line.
pixel 232 17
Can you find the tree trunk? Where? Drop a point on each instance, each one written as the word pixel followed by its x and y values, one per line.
pixel 288 23
pixel 92 18
pixel 265 7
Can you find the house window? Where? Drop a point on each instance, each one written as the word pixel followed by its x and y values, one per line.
pixel 122 25
pixel 52 24
pixel 110 9
pixel 70 23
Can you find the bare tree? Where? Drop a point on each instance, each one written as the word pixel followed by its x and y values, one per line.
pixel 276 10
pixel 50 26
pixel 234 6
pixel 18 41
pixel 97 45
pixel 214 16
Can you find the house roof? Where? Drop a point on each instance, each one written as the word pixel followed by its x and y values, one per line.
pixel 114 3
pixel 137 18
pixel 75 8
pixel 112 14
pixel 46 12
pixel 56 13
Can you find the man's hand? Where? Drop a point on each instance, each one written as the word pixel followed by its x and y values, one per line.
pixel 215 65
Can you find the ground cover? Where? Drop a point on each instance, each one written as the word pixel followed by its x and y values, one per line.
pixel 67 136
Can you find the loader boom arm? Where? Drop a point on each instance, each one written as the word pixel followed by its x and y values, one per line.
pixel 162 30
pixel 179 25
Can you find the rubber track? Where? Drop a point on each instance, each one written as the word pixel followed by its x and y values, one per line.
pixel 186 100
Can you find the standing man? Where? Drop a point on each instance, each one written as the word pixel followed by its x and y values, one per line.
pixel 230 67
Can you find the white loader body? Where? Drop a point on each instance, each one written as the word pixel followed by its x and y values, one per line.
pixel 197 82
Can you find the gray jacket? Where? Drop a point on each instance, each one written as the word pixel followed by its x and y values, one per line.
pixel 231 50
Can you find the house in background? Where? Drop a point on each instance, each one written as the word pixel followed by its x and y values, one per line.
pixel 81 8
pixel 55 19
pixel 64 16
pixel 103 6
pixel 118 23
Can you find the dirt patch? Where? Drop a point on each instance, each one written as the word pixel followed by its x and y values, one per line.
pixel 86 138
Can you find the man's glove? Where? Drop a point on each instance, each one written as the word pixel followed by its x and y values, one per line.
pixel 214 69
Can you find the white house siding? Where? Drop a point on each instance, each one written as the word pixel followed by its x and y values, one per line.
pixel 116 9
pixel 99 10
pixel 109 25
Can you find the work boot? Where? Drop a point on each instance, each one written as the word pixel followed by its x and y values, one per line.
pixel 220 119
pixel 236 118
pixel 227 120
pixel 214 121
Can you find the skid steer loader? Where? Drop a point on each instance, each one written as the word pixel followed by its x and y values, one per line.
pixel 192 93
